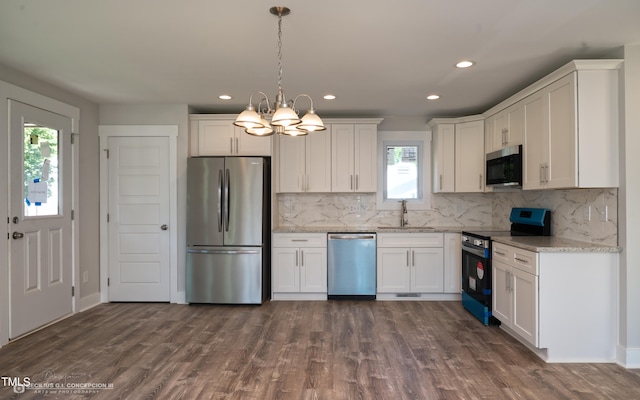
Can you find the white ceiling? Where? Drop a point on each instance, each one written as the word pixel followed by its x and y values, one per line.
pixel 379 58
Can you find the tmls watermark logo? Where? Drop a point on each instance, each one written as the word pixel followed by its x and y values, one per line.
pixel 18 383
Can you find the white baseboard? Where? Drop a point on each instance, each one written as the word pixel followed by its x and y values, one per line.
pixel 88 302
pixel 628 357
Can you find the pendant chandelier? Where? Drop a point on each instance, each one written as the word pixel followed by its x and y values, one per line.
pixel 283 117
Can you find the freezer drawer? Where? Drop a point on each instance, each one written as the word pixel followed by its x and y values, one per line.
pixel 224 275
pixel 351 270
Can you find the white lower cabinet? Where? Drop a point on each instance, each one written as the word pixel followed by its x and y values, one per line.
pixel 299 266
pixel 410 263
pixel 515 300
pixel 452 263
pixel 562 304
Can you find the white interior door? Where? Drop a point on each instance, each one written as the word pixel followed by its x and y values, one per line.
pixel 40 209
pixel 138 231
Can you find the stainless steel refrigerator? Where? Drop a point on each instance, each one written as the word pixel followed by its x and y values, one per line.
pixel 228 230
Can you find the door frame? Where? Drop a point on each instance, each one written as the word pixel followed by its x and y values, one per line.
pixel 171 132
pixel 9 91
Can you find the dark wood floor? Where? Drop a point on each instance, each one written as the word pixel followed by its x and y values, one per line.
pixel 296 350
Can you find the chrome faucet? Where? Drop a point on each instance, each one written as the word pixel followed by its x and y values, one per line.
pixel 404 215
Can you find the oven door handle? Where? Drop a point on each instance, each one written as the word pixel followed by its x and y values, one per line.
pixel 474 251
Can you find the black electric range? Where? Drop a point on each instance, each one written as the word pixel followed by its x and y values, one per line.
pixel 476 257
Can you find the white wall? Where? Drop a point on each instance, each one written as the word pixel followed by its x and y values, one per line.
pixel 629 213
pixel 152 114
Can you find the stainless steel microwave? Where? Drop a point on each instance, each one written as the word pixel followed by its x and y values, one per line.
pixel 504 167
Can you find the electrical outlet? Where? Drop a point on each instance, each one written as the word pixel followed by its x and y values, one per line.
pixel 85 277
pixel 586 213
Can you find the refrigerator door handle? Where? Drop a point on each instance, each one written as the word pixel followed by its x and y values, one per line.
pixel 212 251
pixel 220 184
pixel 226 198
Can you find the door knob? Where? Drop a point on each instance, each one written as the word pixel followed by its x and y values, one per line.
pixel 18 235
pixel 164 227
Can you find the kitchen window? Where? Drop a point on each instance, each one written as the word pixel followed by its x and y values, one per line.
pixel 405 163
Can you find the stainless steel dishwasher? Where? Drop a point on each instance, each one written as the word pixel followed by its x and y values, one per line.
pixel 351 271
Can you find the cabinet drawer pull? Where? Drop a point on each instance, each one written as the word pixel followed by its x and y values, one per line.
pixel 522 261
pixel 299 240
pixel 500 253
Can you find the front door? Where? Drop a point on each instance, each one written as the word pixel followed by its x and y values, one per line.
pixel 139 240
pixel 40 217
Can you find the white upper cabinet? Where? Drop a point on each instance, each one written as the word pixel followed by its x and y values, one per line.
pixel 215 135
pixel 304 163
pixel 443 157
pixel 470 157
pixel 458 156
pixel 353 157
pixel 505 129
pixel 571 132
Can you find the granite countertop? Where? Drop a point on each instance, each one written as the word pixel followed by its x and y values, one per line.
pixel 540 244
pixel 552 244
pixel 377 229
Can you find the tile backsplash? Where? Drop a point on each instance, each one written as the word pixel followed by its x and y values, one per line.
pixel 576 214
pixel 570 211
pixel 338 209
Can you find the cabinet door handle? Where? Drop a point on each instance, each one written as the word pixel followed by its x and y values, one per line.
pixel 237 147
pixel 408 259
pixel 541 173
pixel 231 145
pixel 506 280
pixel 440 181
pixel 357 182
pixel 302 258
pixel 480 182
pixel 296 258
pixel 351 182
pixel 546 174
pixel 413 258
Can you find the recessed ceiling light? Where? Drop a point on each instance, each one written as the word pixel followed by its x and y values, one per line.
pixel 433 97
pixel 224 97
pixel 329 97
pixel 465 64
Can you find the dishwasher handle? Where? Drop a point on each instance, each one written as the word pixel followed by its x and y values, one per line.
pixel 346 236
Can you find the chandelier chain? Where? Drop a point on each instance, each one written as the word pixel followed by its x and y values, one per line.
pixel 279 53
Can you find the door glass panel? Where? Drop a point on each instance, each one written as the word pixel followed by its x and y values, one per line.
pixel 41 175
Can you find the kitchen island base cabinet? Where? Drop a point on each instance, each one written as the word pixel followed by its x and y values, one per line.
pixel 562 305
pixel 299 267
